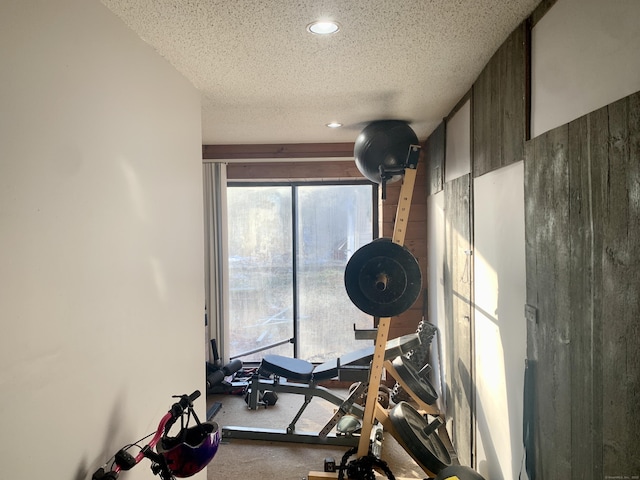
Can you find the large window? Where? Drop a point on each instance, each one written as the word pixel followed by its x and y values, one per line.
pixel 288 248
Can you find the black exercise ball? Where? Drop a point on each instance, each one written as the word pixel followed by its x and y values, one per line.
pixel 460 471
pixel 383 142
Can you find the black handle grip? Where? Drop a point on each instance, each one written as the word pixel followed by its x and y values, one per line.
pixel 185 402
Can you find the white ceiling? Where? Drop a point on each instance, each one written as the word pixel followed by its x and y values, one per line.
pixel 265 79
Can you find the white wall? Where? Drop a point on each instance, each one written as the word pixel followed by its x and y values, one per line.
pixel 500 327
pixel 101 238
pixel 458 146
pixel 435 292
pixel 584 55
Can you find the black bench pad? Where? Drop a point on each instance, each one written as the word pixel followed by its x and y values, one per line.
pixel 287 367
pixel 301 370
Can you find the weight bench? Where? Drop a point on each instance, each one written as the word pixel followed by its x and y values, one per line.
pixel 302 378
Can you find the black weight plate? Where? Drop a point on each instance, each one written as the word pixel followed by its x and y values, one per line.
pixel 427 449
pixel 460 471
pixel 383 278
pixel 418 384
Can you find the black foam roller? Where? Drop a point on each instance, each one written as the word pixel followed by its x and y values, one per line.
pixel 232 367
pixel 215 378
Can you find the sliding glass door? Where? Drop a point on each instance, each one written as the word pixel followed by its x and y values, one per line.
pixel 288 248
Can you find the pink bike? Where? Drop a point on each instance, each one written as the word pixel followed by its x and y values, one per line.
pixel 182 455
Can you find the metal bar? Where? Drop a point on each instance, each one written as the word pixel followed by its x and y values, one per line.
pixel 307 401
pixel 279 435
pixel 305 389
pixel 364 334
pixel 267 347
pixel 294 268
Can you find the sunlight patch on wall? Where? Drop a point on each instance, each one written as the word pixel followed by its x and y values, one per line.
pixel 435 276
pixel 159 278
pixel 500 327
pixel 492 409
pixel 135 189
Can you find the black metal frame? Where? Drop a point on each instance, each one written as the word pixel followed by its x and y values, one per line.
pixel 289 434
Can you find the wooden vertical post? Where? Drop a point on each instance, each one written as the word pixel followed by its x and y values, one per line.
pixel 375 376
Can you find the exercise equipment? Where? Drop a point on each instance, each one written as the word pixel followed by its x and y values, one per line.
pixel 359 468
pixel 411 149
pixel 459 472
pixel 381 148
pixel 383 278
pixel 302 378
pixel 329 464
pixel 216 375
pixel 374 148
pixel 266 399
pixel 384 394
pixel 415 381
pixel 419 437
pixel 348 424
pixel 418 357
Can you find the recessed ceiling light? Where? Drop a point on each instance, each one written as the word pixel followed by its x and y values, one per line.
pixel 323 27
pixel 334 125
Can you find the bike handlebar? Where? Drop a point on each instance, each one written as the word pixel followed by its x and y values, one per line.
pixel 185 402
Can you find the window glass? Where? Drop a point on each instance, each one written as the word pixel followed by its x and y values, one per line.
pixel 260 269
pixel 286 270
pixel 333 222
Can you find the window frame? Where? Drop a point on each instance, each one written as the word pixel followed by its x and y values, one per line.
pixel 294 185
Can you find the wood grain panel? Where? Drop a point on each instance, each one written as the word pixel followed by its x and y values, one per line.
pixel 582 216
pixel 542 8
pixel 292 171
pixel 280 150
pixel 513 92
pixel 597 142
pixel 581 319
pixel 499 106
pixel 621 292
pixel 458 315
pixel 548 215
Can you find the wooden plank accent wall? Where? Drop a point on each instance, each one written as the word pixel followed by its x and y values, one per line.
pixel 458 314
pixel 546 197
pixel 542 8
pixel 277 150
pixel 292 171
pixel 621 290
pixel 457 326
pixel 499 114
pixel 582 216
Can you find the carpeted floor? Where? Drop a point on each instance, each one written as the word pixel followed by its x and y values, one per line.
pixel 243 459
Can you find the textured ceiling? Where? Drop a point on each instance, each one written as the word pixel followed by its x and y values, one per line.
pixel 265 79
